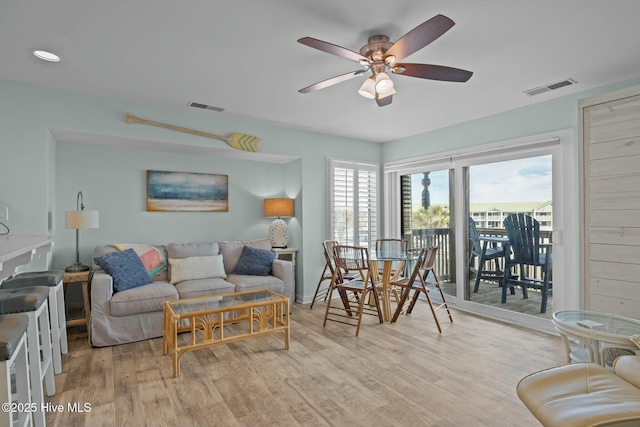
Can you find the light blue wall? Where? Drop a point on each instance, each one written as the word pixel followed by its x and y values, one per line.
pixel 113 181
pixel 40 177
pixel 548 116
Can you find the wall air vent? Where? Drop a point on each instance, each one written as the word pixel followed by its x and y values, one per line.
pixel 205 106
pixel 550 87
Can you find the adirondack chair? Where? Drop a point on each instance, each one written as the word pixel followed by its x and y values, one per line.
pixel 484 253
pixel 524 239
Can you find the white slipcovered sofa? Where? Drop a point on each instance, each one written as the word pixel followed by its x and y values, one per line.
pixel 135 314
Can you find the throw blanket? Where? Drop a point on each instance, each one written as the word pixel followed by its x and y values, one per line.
pixel 150 256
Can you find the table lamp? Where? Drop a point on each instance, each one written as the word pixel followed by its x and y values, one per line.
pixel 78 220
pixel 278 208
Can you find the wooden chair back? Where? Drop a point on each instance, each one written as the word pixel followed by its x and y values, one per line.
pixel 391 246
pixel 424 265
pixel 474 237
pixel 524 238
pixel 352 259
pixel 328 246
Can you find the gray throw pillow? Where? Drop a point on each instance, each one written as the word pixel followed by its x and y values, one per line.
pixel 254 262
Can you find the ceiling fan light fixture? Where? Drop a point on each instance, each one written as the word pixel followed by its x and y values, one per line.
pixel 368 88
pixel 389 93
pixel 384 84
pixel 381 56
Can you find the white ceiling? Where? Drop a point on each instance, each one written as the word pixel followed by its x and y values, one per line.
pixel 242 55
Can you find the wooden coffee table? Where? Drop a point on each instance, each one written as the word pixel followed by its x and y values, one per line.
pixel 255 313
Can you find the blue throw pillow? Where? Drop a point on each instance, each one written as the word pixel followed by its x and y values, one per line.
pixel 126 268
pixel 254 262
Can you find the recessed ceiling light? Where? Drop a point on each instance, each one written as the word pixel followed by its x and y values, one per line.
pixel 47 56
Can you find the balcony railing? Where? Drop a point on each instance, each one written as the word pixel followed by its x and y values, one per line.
pixel 443 238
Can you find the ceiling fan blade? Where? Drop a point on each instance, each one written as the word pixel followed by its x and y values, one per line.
pixel 332 81
pixel 384 101
pixel 333 49
pixel 420 36
pixel 433 72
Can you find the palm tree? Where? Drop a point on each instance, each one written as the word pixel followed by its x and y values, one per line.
pixel 436 216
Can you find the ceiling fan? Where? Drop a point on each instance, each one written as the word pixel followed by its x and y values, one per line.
pixel 380 55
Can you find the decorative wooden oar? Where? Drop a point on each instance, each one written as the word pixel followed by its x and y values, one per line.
pixel 238 141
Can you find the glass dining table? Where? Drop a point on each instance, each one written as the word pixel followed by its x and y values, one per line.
pixel 393 266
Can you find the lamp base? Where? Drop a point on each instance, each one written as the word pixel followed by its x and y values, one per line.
pixel 278 234
pixel 77 268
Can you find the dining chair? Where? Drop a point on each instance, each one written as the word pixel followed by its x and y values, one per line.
pixel 485 255
pixel 528 254
pixel 391 245
pixel 327 272
pixel 353 293
pixel 418 282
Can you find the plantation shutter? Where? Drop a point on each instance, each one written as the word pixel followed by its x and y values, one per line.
pixel 353 203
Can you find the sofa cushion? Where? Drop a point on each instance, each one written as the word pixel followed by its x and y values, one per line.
pixel 126 268
pixel 264 244
pixel 196 267
pixel 580 394
pixel 628 368
pixel 204 287
pixel 256 262
pixel 143 299
pixel 186 250
pixel 250 283
pixel 231 251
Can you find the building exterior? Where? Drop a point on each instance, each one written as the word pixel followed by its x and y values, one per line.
pixel 491 215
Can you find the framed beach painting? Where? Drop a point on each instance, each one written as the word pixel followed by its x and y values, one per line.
pixel 187 192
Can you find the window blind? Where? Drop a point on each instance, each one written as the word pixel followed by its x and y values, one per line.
pixel 353 203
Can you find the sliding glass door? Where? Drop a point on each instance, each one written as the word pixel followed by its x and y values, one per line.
pixel 497 190
pixel 435 199
pixel 427 215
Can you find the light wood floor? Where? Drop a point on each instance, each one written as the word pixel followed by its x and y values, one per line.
pixel 403 374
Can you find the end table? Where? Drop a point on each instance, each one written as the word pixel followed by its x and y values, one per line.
pixel 83 277
pixel 288 254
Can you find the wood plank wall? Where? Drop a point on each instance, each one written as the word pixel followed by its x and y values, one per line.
pixel 611 165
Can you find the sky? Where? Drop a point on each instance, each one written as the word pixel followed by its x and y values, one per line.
pixel 521 180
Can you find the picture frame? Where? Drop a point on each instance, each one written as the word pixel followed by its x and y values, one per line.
pixel 187 192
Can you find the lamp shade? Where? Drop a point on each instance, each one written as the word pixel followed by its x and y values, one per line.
pixel 368 88
pixel 278 208
pixel 384 84
pixel 78 220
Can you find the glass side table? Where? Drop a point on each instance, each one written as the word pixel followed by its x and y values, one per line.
pixel 595 331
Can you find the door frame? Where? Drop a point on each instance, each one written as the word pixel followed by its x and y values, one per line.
pixel 562 145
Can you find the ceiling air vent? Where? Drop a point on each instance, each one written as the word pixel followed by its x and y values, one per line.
pixel 550 87
pixel 205 106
